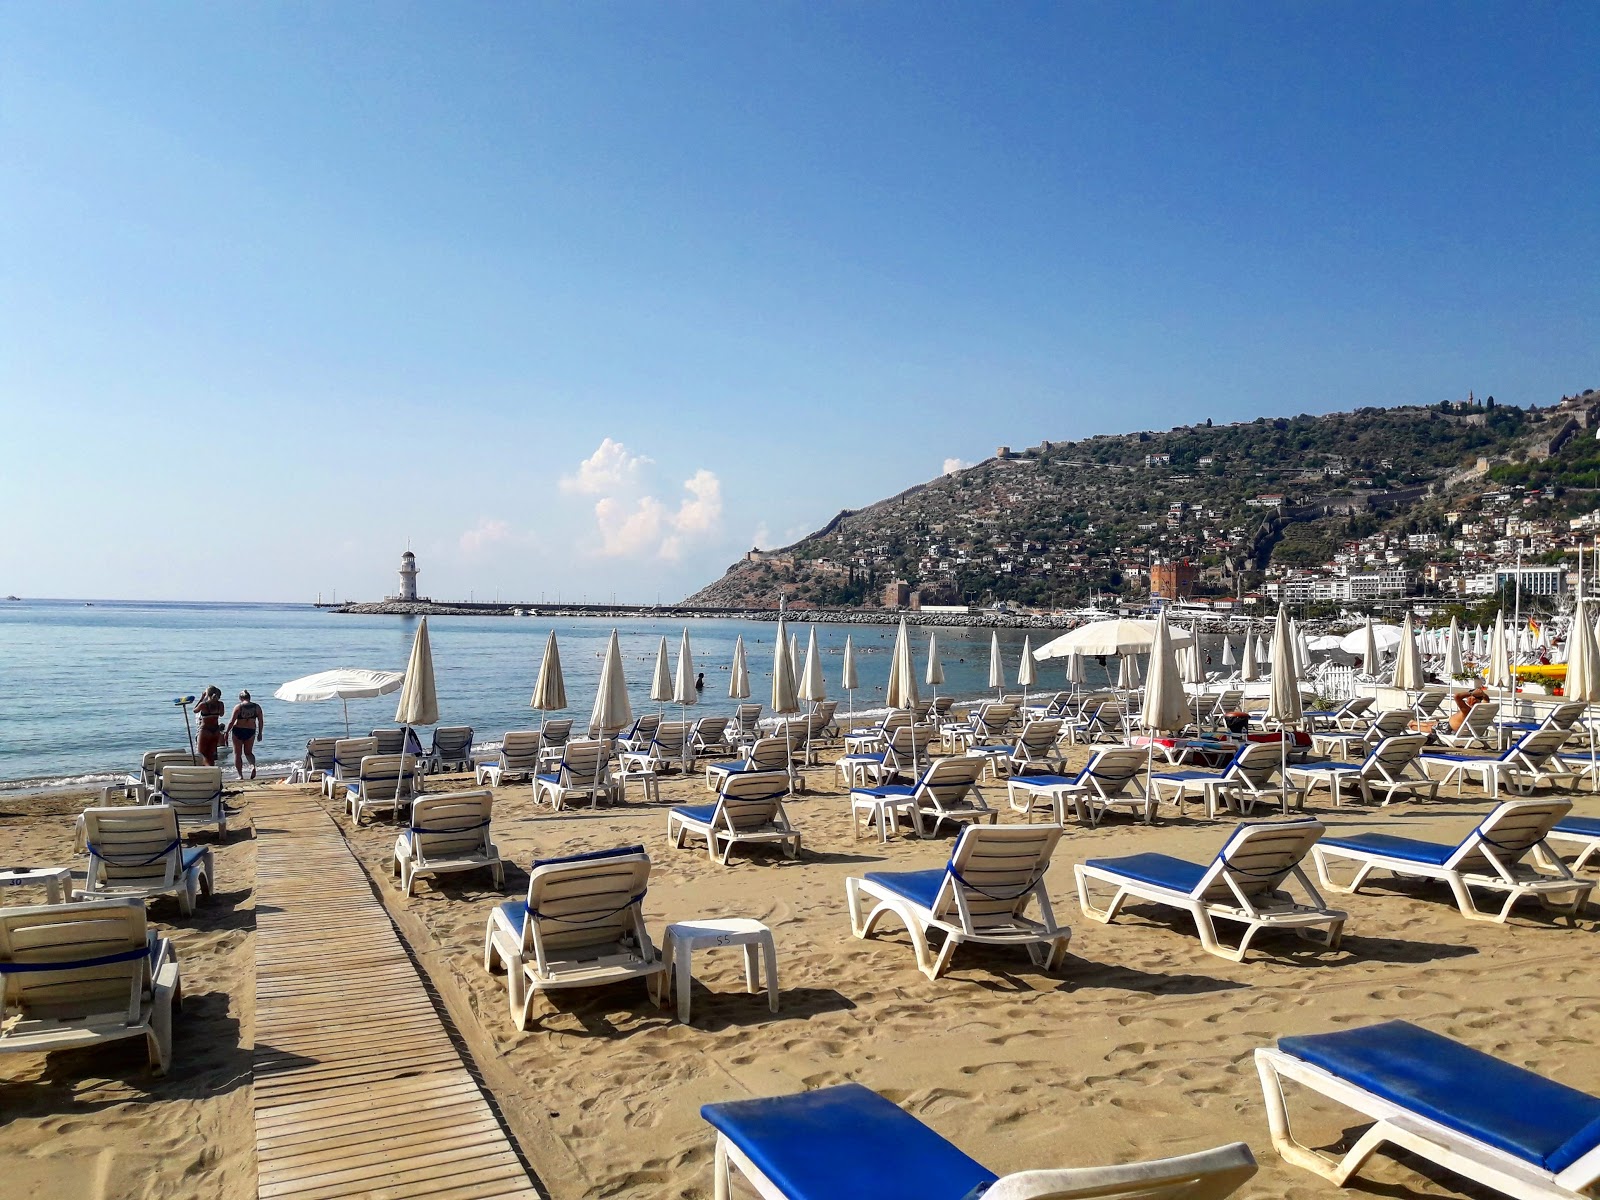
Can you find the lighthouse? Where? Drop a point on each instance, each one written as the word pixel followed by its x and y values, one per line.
pixel 408 576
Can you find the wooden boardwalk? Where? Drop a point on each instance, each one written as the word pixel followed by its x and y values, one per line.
pixel 359 1090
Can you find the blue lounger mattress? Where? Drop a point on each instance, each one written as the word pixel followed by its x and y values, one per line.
pixel 1528 1116
pixel 846 1141
pixel 696 812
pixel 1403 848
pixel 919 887
pixel 1582 826
pixel 1158 870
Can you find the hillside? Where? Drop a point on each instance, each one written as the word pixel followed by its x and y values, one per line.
pixel 1063 521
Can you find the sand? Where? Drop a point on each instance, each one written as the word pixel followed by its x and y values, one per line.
pixel 1140 1047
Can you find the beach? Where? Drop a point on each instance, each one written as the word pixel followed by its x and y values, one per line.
pixel 1139 1047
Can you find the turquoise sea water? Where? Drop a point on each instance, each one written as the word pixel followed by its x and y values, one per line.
pixel 85 689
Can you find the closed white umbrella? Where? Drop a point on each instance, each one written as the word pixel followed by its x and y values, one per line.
pixel 550 692
pixel 1076 675
pixel 794 657
pixel 661 681
pixel 1165 706
pixel 902 691
pixel 1302 650
pixel 1190 668
pixel 343 684
pixel 1408 662
pixel 1025 673
pixel 611 708
pixel 1583 665
pixel 1499 655
pixel 1283 696
pixel 1249 669
pixel 785 698
pixel 1228 660
pixel 847 673
pixel 1127 671
pixel 1118 636
pixel 739 676
pixel 1371 659
pixel 684 693
pixel 419 703
pixel 935 675
pixel 1453 663
pixel 813 688
pixel 997 670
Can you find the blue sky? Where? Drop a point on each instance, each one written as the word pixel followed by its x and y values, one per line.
pixel 588 298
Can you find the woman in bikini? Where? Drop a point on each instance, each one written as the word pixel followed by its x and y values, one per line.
pixel 246 725
pixel 209 711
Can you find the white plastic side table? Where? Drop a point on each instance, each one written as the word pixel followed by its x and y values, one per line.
pixel 56 881
pixel 677 952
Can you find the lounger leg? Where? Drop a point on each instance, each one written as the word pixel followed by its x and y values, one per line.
pixel 721 1185
pixel 1212 944
pixel 168 992
pixel 1292 1151
pixel 1327 879
pixel 1105 915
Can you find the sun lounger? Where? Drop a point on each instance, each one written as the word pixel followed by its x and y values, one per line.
pixel 318 762
pixel 1582 832
pixel 137 852
pixel 347 756
pixel 1104 722
pixel 866 738
pixel 1103 784
pixel 195 794
pixel 582 925
pixel 768 755
pixel 947 790
pixel 746 725
pixel 848 1141
pixel 390 741
pixel 708 737
pixel 1489 1121
pixel 1251 777
pixel 1346 744
pixel 749 810
pixel 582 772
pixel 1349 716
pixel 385 783
pixel 1533 760
pixel 83 973
pixel 1562 716
pixel 448 832
pixel 1428 702
pixel 906 752
pixel 553 739
pixel 981 895
pixel 1492 857
pixel 138 785
pixel 1244 884
pixel 640 734
pixel 1478 728
pixel 451 749
pixel 518 755
pixel 668 748
pixel 1037 749
pixel 1391 767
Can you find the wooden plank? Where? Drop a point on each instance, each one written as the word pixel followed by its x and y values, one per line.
pixel 358 1087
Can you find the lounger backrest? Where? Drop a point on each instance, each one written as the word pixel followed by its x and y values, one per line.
pixel 583 761
pixel 668 742
pixel 556 733
pixel 389 740
pixel 319 753
pixel 150 767
pixel 921 709
pixel 1256 763
pixel 585 900
pixel 748 717
pixel 1534 749
pixel 452 741
pixel 1357 706
pixel 710 729
pixel 894 720
pixel 912 738
pixel 769 754
pixel 519 750
pixel 1565 715
pixel 452 824
pixel 1394 754
pixel 1390 722
pixel 644 729
pixel 1258 858
pixel 135 847
pixel 948 780
pixel 1112 769
pixel 1040 735
pixel 71 933
pixel 1481 716
pixel 1429 700
pixel 749 801
pixel 997 718
pixel 195 793
pixel 383 777
pixel 1511 831
pixel 348 753
pixel 994 871
pixel 941 704
pixel 1230 699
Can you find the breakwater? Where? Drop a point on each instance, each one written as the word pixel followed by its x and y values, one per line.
pixel 665 612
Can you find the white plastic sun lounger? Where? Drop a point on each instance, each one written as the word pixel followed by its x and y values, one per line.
pixel 83 973
pixel 137 853
pixel 317 763
pixel 768 755
pixel 1244 884
pixel 947 790
pixel 1534 759
pixel 518 755
pixel 448 832
pixel 980 895
pixel 1478 728
pixel 1491 857
pixel 384 783
pixel 195 794
pixel 1103 784
pixel 1497 1124
pixel 1392 767
pixel 582 925
pixel 847 1141
pixel 1582 832
pixel 749 811
pixel 451 749
pixel 347 756
pixel 582 771
pixel 139 784
pixel 1248 779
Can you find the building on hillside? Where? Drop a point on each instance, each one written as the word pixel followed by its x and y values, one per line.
pixel 897 594
pixel 1535 581
pixel 1172 580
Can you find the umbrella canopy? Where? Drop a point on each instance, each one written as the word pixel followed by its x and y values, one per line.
pixel 684 692
pixel 1283 697
pixel 935 675
pixel 997 670
pixel 812 686
pixel 419 704
pixel 739 677
pixel 902 692
pixel 343 684
pixel 1128 671
pixel 1165 705
pixel 1499 654
pixel 611 708
pixel 847 669
pixel 1583 658
pixel 784 697
pixel 661 681
pixel 1453 664
pixel 1408 663
pixel 1228 660
pixel 1384 637
pixel 1302 649
pixel 1120 636
pixel 1249 669
pixel 550 692
pixel 1190 667
pixel 1026 676
pixel 794 656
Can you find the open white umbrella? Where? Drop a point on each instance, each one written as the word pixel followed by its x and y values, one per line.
pixel 785 698
pixel 1119 636
pixel 1025 673
pixel 1283 695
pixel 813 687
pixel 1249 669
pixel 1499 655
pixel 343 684
pixel 739 676
pixel 902 691
pixel 684 693
pixel 1408 662
pixel 1454 666
pixel 847 674
pixel 419 703
pixel 661 681
pixel 997 669
pixel 1165 707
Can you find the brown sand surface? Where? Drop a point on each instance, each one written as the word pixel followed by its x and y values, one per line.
pixel 1140 1047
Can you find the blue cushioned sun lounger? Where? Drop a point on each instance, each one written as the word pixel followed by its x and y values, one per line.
pixel 1583 832
pixel 845 1142
pixel 1492 1122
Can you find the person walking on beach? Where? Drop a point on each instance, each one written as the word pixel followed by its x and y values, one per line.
pixel 209 712
pixel 246 725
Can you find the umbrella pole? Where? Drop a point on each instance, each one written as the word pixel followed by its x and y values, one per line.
pixel 346 704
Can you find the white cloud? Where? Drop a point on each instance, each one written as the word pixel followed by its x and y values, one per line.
pixel 952 465
pixel 628 530
pixel 608 469
pixel 489 532
pixel 762 538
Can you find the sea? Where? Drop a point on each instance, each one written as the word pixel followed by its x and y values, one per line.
pixel 86 687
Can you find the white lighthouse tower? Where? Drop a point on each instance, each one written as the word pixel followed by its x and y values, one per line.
pixel 408 576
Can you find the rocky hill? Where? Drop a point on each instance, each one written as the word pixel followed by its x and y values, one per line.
pixel 1061 522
